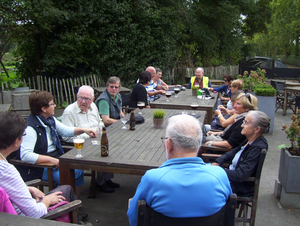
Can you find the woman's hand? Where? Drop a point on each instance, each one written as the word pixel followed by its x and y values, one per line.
pixel 36 193
pixel 213 133
pixel 53 199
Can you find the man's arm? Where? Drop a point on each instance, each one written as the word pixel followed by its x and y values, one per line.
pixel 152 93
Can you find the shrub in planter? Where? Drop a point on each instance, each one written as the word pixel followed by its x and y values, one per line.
pixel 264 90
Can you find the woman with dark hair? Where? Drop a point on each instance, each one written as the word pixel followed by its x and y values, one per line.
pixel 245 157
pixel 41 143
pixel 228 78
pixel 26 200
pixel 139 92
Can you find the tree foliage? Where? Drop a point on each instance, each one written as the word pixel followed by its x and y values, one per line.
pixel 60 38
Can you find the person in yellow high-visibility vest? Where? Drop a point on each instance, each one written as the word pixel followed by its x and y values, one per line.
pixel 199 79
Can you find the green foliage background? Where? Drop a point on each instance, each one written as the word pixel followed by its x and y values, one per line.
pixel 61 38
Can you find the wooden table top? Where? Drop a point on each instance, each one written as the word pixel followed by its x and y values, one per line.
pixel 5 107
pixel 130 152
pixel 288 83
pixel 184 101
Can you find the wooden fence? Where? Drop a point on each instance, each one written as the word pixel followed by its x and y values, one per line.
pixel 63 90
pixel 179 74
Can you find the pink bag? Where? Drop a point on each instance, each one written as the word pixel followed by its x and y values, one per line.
pixel 63 218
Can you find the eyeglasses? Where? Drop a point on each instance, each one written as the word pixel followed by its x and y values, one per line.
pixel 86 99
pixel 225 80
pixel 163 139
pixel 52 104
pixel 116 87
pixel 246 123
pixel 231 86
pixel 249 97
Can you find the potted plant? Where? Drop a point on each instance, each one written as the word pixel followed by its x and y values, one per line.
pixel 289 165
pixel 266 94
pixel 194 90
pixel 158 118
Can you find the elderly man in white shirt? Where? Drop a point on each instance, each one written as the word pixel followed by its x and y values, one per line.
pixel 84 113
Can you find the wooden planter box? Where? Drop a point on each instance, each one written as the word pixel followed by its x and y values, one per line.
pixel 289 168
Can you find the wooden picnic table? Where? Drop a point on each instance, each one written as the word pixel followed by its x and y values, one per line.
pixel 130 152
pixel 5 107
pixel 99 90
pixel 288 83
pixel 184 101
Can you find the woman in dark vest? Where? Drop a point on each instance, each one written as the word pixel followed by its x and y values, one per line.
pixel 42 144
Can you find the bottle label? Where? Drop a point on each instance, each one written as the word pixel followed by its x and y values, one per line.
pixel 132 125
pixel 104 150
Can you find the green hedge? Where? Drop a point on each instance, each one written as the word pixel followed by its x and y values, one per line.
pixel 264 90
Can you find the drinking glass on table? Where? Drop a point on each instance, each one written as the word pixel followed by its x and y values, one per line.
pixel 176 90
pixel 168 95
pixel 194 107
pixel 78 143
pixel 140 105
pixel 124 120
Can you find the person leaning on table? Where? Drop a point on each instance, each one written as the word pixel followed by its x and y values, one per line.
pixel 183 186
pixel 84 113
pixel 199 79
pixel 41 143
pixel 26 200
pixel 244 159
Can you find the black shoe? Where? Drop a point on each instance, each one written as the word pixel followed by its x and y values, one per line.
pixel 81 214
pixel 112 184
pixel 105 188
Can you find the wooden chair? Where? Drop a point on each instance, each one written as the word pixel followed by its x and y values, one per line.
pixel 50 166
pixel 149 217
pixel 70 207
pixel 280 97
pixel 251 202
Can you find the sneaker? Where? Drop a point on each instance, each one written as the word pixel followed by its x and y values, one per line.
pixel 112 184
pixel 105 188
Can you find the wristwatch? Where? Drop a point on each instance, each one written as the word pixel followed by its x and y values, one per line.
pixel 209 143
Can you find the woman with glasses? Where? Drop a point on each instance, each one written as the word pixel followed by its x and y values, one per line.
pixel 231 137
pixel 245 157
pixel 26 200
pixel 41 144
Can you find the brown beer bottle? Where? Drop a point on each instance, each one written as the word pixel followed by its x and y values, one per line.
pixel 132 121
pixel 104 143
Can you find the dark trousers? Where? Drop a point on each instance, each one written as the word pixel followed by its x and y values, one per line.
pixel 67 192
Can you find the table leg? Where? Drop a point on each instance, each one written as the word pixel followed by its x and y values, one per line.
pixel 285 102
pixel 67 175
pixel 209 116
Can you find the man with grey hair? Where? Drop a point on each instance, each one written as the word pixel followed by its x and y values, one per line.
pixel 184 180
pixel 199 80
pixel 109 102
pixel 84 113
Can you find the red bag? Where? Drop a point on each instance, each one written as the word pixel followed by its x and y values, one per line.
pixel 63 218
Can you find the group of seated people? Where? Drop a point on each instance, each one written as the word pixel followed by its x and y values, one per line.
pixel 166 189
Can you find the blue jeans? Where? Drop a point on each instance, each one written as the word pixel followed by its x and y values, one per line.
pixel 78 176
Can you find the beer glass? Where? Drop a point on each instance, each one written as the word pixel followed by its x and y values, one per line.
pixel 176 90
pixel 124 120
pixel 78 143
pixel 168 95
pixel 194 107
pixel 140 105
